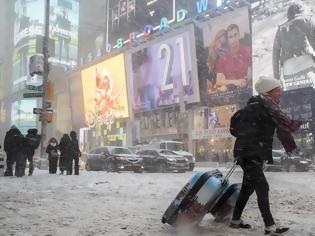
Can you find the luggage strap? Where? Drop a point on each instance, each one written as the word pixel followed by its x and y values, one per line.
pixel 228 175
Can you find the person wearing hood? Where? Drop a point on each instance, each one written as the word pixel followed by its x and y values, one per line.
pixel 65 153
pixel 53 155
pixel 75 154
pixel 32 143
pixel 13 144
pixel 259 120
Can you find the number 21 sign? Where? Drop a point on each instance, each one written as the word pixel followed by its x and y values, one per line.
pixel 162 72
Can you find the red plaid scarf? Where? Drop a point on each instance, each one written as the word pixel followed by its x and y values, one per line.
pixel 284 124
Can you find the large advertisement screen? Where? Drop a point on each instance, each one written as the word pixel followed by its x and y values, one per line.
pixel 227 42
pixel 163 73
pixel 22 114
pixel 126 16
pixel 284 42
pixel 105 91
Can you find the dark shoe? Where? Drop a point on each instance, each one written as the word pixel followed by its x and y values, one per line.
pixel 30 174
pixel 8 173
pixel 274 231
pixel 239 224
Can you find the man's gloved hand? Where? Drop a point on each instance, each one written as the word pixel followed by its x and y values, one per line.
pixel 269 161
pixel 239 160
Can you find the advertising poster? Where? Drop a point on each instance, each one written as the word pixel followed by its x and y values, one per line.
pixel 227 41
pixel 213 122
pixel 284 42
pixel 126 16
pixel 22 114
pixel 163 73
pixel 105 91
pixel 64 27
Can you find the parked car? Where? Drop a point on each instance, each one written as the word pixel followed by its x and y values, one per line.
pixel 162 160
pixel 282 161
pixel 113 159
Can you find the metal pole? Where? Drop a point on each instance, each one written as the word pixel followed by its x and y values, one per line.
pixel 45 77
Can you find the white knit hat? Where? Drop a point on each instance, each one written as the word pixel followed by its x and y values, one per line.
pixel 265 84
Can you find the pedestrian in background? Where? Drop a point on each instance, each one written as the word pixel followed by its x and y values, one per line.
pixel 65 153
pixel 14 142
pixel 32 143
pixel 53 155
pixel 75 154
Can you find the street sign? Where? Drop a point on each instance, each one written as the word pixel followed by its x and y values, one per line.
pixel 32 95
pixel 48 104
pixel 35 88
pixel 37 110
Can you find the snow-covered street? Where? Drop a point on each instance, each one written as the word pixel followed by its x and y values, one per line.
pixel 100 203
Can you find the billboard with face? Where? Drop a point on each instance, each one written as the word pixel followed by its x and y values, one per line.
pixel 284 42
pixel 163 72
pixel 227 41
pixel 105 91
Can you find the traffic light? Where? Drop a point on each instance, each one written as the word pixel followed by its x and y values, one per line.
pixel 50 90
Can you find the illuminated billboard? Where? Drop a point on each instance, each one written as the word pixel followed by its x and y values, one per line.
pixel 284 43
pixel 213 122
pixel 163 72
pixel 228 60
pixel 105 91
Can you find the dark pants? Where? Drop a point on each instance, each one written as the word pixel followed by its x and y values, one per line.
pixel 11 156
pixel 30 164
pixel 76 166
pixel 20 164
pixel 254 180
pixel 53 161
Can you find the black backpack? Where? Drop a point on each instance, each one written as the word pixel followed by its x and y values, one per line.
pixel 237 122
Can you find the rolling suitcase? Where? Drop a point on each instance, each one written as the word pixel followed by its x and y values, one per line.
pixel 205 192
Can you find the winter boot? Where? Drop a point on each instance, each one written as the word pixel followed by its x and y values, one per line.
pixel 239 224
pixel 8 172
pixel 273 230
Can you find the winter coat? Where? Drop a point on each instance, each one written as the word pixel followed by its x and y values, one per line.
pixel 256 133
pixel 32 141
pixel 14 141
pixel 52 151
pixel 75 150
pixel 295 37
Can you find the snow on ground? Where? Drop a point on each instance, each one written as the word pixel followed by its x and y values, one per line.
pixel 100 203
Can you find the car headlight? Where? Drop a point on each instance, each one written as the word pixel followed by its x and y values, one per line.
pixel 303 162
pixel 171 159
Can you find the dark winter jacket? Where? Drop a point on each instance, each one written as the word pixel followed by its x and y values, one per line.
pixel 74 143
pixel 52 151
pixel 65 146
pixel 32 141
pixel 256 133
pixel 295 37
pixel 14 141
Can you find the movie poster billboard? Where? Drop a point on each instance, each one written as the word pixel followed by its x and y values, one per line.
pixel 228 64
pixel 213 122
pixel 105 91
pixel 284 42
pixel 126 16
pixel 163 72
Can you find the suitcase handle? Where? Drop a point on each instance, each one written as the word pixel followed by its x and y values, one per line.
pixel 228 175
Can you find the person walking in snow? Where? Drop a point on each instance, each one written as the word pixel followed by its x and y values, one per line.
pixel 32 143
pixel 14 142
pixel 65 153
pixel 53 155
pixel 294 49
pixel 256 126
pixel 74 155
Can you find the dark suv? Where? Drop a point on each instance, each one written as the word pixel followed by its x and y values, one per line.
pixel 113 159
pixel 162 160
